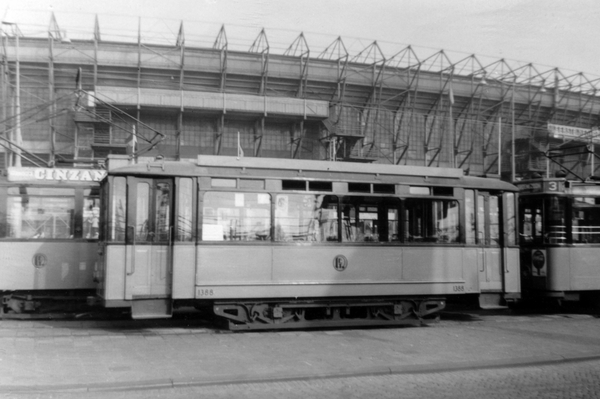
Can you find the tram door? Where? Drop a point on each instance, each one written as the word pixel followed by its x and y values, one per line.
pixel 149 250
pixel 489 237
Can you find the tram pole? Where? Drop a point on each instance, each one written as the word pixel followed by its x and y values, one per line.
pixel 512 138
pixel 500 146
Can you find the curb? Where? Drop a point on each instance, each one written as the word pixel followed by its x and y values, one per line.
pixel 344 373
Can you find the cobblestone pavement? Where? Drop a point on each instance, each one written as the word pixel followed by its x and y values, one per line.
pixel 569 380
pixel 507 355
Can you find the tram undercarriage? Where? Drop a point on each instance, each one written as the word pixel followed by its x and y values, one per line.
pixel 276 315
pixel 44 304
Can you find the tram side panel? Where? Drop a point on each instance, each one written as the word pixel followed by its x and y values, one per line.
pixel 564 269
pixel 33 265
pixel 312 271
pixel 585 268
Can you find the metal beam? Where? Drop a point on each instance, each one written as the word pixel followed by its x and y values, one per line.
pixel 221 45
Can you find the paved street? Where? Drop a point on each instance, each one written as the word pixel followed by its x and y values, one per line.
pixel 465 355
pixel 568 380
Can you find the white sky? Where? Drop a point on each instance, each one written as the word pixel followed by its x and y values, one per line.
pixel 547 33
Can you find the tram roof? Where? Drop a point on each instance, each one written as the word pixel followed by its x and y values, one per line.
pixel 326 166
pixel 359 171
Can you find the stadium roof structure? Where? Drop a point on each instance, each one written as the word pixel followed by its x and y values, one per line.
pixel 75 100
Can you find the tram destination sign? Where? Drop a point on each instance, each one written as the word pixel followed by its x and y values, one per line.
pixel 51 174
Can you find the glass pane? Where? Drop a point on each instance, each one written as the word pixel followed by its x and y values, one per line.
pixel 447 221
pixel 91 217
pixel 511 223
pixel 360 222
pixel 163 211
pixel 370 219
pixel 432 221
pixel 326 207
pixel 306 217
pixel 470 217
pixel 586 220
pixel 531 220
pixel 40 217
pixel 229 216
pixel 494 215
pixel 116 222
pixel 141 213
pixel 393 225
pixel 481 220
pixel 555 221
pixel 184 210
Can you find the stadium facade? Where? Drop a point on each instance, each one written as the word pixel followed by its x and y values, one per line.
pixel 72 102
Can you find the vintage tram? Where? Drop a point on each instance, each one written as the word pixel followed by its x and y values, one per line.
pixel 49 227
pixel 281 243
pixel 560 238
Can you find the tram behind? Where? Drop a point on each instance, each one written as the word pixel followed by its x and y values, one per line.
pixel 560 238
pixel 49 225
pixel 273 243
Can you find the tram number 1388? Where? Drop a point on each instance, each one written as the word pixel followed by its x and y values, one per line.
pixel 204 292
pixel 458 288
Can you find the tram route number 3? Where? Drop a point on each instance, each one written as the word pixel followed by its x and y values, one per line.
pixel 458 288
pixel 204 292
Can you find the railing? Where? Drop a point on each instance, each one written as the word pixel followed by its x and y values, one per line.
pixel 557 235
pixel 586 234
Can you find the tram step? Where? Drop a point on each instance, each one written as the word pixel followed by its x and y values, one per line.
pixel 492 300
pixel 151 308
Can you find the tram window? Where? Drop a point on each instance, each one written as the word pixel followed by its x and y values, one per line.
pixel 494 219
pixel 359 187
pixel 116 220
pixel 370 219
pixel 443 191
pixel 384 188
pixel 431 221
pixel 586 220
pixel 320 186
pixel 293 185
pixel 470 228
pixel 556 229
pixel 184 210
pixel 91 213
pixel 531 220
pixel 162 207
pixel 141 211
pixel 511 225
pixel 39 213
pixel 231 216
pixel 306 217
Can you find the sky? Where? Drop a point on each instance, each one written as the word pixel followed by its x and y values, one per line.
pixel 547 33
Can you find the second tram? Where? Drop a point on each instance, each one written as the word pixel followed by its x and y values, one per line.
pixel 560 238
pixel 274 243
pixel 49 227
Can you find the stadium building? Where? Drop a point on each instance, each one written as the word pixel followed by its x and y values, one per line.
pixel 72 101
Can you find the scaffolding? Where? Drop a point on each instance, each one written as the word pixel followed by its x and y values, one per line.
pixel 77 100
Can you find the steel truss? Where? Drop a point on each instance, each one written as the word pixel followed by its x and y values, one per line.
pixel 488 117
